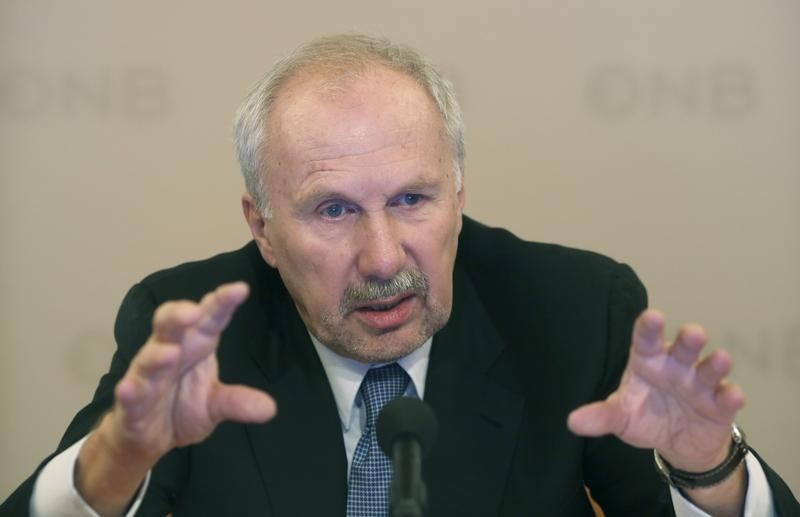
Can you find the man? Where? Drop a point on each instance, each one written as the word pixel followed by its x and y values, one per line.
pixel 352 152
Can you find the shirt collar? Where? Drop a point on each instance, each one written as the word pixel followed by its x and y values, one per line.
pixel 345 375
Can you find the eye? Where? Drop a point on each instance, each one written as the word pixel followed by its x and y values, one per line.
pixel 336 210
pixel 409 199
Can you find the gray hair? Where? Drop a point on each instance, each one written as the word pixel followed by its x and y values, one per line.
pixel 342 54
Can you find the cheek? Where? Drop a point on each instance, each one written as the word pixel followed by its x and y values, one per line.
pixel 437 261
pixel 318 271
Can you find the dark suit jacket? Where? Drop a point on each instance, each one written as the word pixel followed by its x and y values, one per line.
pixel 536 330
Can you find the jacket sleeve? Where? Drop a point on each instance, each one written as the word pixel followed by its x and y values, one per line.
pixel 621 478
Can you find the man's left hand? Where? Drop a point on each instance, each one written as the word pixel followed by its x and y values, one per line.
pixel 669 399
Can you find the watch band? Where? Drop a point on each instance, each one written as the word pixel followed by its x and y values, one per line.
pixel 682 479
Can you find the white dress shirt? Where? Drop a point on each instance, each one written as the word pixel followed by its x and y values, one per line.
pixel 345 376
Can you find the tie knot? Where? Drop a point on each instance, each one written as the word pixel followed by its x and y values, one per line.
pixel 380 386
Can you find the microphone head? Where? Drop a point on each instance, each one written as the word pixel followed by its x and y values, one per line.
pixel 406 417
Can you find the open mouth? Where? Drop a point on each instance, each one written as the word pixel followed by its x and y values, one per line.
pixel 387 314
pixel 384 306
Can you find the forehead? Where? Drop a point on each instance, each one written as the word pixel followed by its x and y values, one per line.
pixel 319 117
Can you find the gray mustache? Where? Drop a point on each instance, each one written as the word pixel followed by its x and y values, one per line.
pixel 408 281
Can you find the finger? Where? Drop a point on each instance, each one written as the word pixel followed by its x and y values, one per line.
pixel 139 388
pixel 648 333
pixel 171 320
pixel 597 419
pixel 154 359
pixel 241 404
pixel 687 346
pixel 711 370
pixel 219 305
pixel 128 391
pixel 134 397
pixel 730 397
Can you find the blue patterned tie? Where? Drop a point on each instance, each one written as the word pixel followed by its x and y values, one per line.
pixel 371 469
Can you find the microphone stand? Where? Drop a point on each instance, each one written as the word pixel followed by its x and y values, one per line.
pixel 408 495
pixel 406 430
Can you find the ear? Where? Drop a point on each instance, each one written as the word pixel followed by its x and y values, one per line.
pixel 259 228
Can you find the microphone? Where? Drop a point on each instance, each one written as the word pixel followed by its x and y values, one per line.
pixel 406 431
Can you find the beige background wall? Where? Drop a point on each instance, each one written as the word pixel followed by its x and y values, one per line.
pixel 665 134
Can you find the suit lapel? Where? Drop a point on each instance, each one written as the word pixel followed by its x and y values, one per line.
pixel 477 410
pixel 300 453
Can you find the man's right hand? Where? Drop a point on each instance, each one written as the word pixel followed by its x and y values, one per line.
pixel 170 397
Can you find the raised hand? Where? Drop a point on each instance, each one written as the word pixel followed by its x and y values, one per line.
pixel 670 400
pixel 170 396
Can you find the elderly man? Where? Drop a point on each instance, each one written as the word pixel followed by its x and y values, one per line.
pixel 363 272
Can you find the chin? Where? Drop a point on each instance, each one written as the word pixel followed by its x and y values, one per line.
pixel 366 347
pixel 378 349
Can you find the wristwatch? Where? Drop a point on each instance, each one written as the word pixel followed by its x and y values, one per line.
pixel 715 476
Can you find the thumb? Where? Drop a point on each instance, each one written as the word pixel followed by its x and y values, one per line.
pixel 241 404
pixel 596 419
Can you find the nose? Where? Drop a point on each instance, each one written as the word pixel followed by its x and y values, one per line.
pixel 381 254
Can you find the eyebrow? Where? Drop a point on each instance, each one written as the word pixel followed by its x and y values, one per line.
pixel 420 185
pixel 317 195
